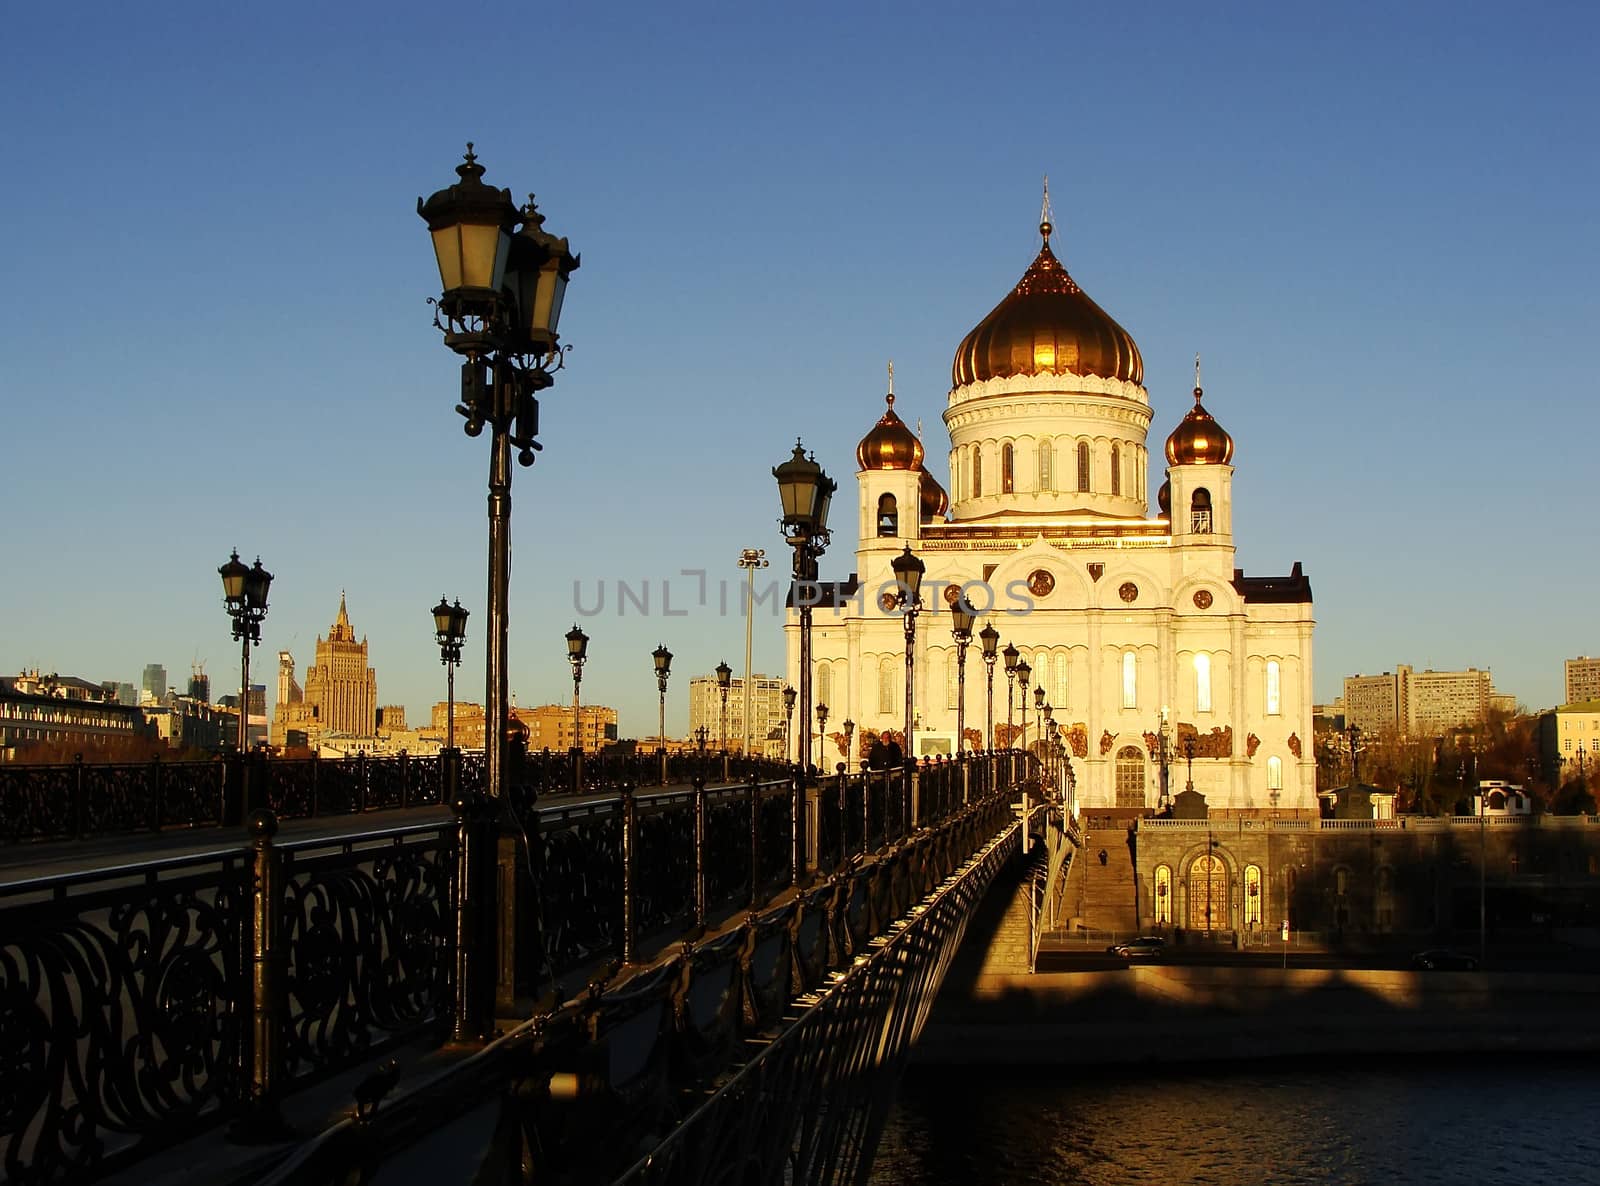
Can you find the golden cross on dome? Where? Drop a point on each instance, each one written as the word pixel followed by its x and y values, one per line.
pixel 1046 215
pixel 891 376
pixel 1197 374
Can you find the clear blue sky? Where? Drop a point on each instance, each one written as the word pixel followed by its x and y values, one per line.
pixel 1376 223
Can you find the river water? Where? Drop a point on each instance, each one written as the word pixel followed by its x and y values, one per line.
pixel 1457 1122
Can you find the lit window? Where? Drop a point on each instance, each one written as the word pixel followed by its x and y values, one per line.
pixel 1274 774
pixel 1163 895
pixel 1130 777
pixel 1006 482
pixel 1116 469
pixel 977 471
pixel 1130 680
pixel 886 684
pixel 1273 697
pixel 1083 466
pixel 1202 682
pixel 1252 895
pixel 824 683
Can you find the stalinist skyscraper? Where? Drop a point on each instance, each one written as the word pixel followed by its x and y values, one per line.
pixel 341 691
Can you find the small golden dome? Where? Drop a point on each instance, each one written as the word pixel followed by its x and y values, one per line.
pixel 935 502
pixel 890 444
pixel 1164 500
pixel 1047 326
pixel 1199 439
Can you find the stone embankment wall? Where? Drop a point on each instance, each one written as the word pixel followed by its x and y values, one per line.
pixel 1174 1014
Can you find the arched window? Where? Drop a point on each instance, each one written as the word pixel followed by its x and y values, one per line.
pixel 1163 895
pixel 952 674
pixel 1116 468
pixel 888 515
pixel 1274 773
pixel 977 471
pixel 824 683
pixel 1130 680
pixel 1274 695
pixel 1059 696
pixel 1046 476
pixel 1200 512
pixel 1007 483
pixel 886 667
pixel 1252 896
pixel 1202 682
pixel 1083 466
pixel 1130 777
pixel 1208 893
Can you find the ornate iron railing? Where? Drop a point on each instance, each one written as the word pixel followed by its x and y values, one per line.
pixel 141 1004
pixel 815 1001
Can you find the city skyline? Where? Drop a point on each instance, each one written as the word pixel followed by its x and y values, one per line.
pixel 1377 296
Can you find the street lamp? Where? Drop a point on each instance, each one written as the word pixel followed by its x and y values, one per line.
pixel 962 617
pixel 1024 673
pixel 724 682
pixel 1012 657
pixel 577 652
pixel 663 658
pixel 908 570
pixel 822 723
pixel 1038 705
pixel 450 627
pixel 499 309
pixel 788 722
pixel 244 594
pixel 1164 757
pixel 849 742
pixel 805 492
pixel 750 559
pixel 990 638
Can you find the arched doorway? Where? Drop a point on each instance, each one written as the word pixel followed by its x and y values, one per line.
pixel 1208 893
pixel 1130 777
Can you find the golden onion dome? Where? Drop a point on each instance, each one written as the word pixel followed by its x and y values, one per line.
pixel 890 444
pixel 1047 326
pixel 1199 439
pixel 935 502
pixel 1164 500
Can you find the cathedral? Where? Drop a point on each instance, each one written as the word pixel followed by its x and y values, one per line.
pixel 341 692
pixel 1132 622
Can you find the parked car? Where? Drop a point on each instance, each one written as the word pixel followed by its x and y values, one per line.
pixel 1143 947
pixel 1444 960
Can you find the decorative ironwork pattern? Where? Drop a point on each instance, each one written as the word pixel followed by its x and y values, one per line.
pixel 365 931
pixel 580 879
pixel 118 1019
pixel 727 849
pixel 664 887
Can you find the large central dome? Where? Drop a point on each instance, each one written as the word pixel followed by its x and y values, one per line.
pixel 1047 326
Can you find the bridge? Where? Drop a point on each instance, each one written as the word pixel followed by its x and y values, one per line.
pixel 702 982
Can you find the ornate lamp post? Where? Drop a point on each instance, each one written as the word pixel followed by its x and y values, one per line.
pixel 1038 706
pixel 1024 673
pixel 788 722
pixel 577 652
pixel 822 723
pixel 1164 745
pixel 244 594
pixel 908 570
pixel 805 493
pixel 663 658
pixel 500 304
pixel 1012 657
pixel 750 559
pixel 724 683
pixel 450 626
pixel 849 742
pixel 962 618
pixel 990 638
pixel 1188 756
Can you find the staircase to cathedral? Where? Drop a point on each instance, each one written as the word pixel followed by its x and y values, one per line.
pixel 1102 897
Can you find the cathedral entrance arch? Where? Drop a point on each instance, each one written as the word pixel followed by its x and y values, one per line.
pixel 1208 893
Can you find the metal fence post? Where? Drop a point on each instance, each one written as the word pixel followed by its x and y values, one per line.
pixel 630 849
pixel 262 1047
pixel 797 825
pixel 471 957
pixel 753 793
pixel 699 853
pixel 157 805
